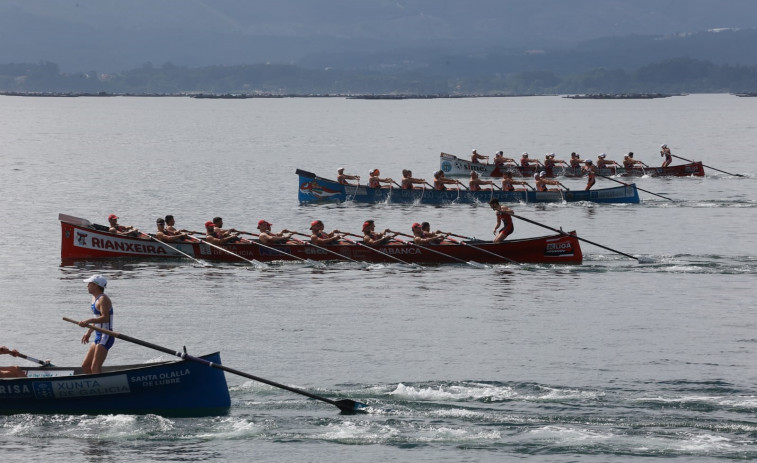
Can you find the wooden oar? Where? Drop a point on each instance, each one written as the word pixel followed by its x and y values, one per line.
pixel 44 363
pixel 307 243
pixel 710 167
pixel 480 249
pixel 640 189
pixel 307 261
pixel 412 264
pixel 578 237
pixel 204 264
pixel 345 405
pixel 254 262
pixel 470 262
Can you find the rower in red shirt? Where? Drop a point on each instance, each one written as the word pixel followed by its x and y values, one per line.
pixel 504 218
pixel 320 237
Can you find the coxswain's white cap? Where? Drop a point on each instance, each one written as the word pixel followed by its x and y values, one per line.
pixel 99 280
pixel 603 155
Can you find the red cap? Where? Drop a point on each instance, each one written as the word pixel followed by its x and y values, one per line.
pixel 112 216
pixel 367 224
pixel 209 223
pixel 261 222
pixel 314 223
pixel 415 225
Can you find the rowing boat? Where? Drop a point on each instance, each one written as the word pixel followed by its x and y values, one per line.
pixel 453 166
pixel 82 240
pixel 168 388
pixel 314 189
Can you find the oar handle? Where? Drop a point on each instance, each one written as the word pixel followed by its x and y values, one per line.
pixel 345 405
pixel 44 363
pixel 432 186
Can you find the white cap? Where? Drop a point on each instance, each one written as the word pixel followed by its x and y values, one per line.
pixel 663 146
pixel 536 175
pixel 473 151
pixel 542 174
pixel 603 155
pixel 500 152
pixel 99 280
pixel 525 155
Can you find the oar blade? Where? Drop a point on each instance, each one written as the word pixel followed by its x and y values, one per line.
pixel 475 264
pixel 350 406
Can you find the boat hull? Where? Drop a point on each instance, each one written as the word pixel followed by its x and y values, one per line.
pixel 314 189
pixel 172 388
pixel 452 166
pixel 82 242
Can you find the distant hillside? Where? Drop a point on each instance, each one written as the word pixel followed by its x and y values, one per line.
pixel 115 35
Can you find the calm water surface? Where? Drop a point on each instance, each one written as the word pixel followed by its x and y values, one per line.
pixel 608 361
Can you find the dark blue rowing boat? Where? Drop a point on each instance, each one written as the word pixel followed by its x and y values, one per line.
pixel 170 388
pixel 314 189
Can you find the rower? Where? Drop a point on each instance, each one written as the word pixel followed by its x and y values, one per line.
pixel 603 162
pixel 500 159
pixel 170 230
pixel 475 157
pixel 440 181
pixel 575 160
pixel 121 229
pixel 508 183
pixel 214 237
pixel 376 182
pixel 475 182
pixel 12 371
pixel 590 170
pixel 527 162
pixel 504 218
pixel 342 178
pixel 269 238
pixel 541 182
pixel 371 238
pixel 408 181
pixel 221 233
pixel 438 236
pixel 321 238
pixel 421 237
pixel 629 162
pixel 550 162
pixel 163 235
pixel 665 151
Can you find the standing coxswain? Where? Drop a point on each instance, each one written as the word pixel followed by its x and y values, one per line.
pixel 102 309
pixel 665 151
pixel 504 218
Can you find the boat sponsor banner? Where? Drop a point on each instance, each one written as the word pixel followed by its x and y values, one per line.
pixel 65 388
pixel 559 247
pixel 120 245
pixel 163 378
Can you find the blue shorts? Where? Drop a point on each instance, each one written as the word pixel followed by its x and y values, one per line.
pixel 104 340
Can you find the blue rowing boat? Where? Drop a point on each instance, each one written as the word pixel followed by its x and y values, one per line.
pixel 169 388
pixel 314 189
